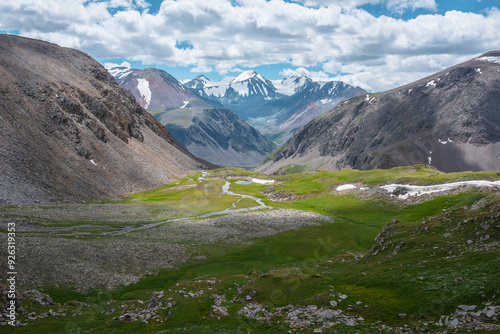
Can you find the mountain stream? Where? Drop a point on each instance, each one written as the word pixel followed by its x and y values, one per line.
pixel 231 210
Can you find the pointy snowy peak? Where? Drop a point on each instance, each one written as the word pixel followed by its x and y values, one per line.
pixel 119 71
pixel 199 82
pixel 207 87
pixel 217 89
pixel 250 83
pixel 291 84
pixel 248 75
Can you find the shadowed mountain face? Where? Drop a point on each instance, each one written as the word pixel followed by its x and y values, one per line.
pixel 450 120
pixel 206 130
pixel 69 132
pixel 219 136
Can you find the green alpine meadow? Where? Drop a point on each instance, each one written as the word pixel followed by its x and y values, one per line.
pixel 326 252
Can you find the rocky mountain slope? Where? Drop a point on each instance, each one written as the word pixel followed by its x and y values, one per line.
pixel 244 94
pixel 310 100
pixel 276 108
pixel 450 120
pixel 216 135
pixel 221 137
pixel 157 91
pixel 69 132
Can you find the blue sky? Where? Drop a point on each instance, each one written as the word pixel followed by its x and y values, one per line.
pixel 375 44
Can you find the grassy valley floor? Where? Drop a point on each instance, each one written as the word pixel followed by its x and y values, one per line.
pixel 333 252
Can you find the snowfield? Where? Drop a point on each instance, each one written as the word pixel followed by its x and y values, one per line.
pixel 346 187
pixel 143 87
pixel 423 190
pixel 259 181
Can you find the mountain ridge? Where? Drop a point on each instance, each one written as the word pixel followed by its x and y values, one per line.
pixel 69 132
pixel 219 136
pixel 276 108
pixel 203 126
pixel 449 120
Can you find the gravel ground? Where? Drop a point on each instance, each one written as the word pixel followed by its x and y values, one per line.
pixel 95 213
pixel 85 262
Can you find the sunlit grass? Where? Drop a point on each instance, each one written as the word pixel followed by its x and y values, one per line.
pixel 312 265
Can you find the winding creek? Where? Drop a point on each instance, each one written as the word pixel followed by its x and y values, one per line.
pixel 231 210
pixel 225 191
pixel 409 190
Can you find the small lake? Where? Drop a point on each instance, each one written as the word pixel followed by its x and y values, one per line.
pixel 243 182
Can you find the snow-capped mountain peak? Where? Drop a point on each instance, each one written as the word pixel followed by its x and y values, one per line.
pixel 291 84
pixel 119 71
pixel 248 75
pixel 199 82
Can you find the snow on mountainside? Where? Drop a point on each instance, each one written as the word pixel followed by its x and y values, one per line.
pixel 206 129
pixel 199 82
pixel 248 75
pixel 277 108
pixel 291 84
pixel 248 83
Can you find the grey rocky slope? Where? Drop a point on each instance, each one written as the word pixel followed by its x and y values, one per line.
pixel 205 128
pixel 69 132
pixel 158 91
pixel 450 120
pixel 221 137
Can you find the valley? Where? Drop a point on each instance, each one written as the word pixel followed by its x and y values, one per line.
pixel 206 127
pixel 113 224
pixel 236 121
pixel 328 251
pixel 241 167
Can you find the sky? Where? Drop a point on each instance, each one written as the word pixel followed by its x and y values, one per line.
pixel 375 44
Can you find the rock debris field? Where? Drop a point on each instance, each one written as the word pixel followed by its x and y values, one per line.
pixel 86 260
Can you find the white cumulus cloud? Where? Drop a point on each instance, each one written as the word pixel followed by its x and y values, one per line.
pixel 229 35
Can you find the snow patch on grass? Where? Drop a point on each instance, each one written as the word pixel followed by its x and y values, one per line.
pixel 423 190
pixel 346 187
pixel 259 181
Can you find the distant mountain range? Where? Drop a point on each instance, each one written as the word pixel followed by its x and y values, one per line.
pixel 203 126
pixel 276 108
pixel 450 120
pixel 157 91
pixel 69 132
